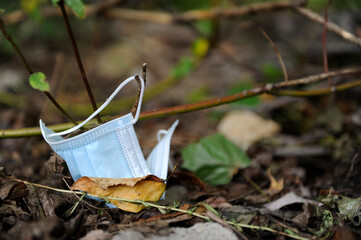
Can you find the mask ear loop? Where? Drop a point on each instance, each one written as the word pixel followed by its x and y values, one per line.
pixel 160 133
pixel 125 82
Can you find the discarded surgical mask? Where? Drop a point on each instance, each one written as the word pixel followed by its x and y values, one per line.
pixel 111 150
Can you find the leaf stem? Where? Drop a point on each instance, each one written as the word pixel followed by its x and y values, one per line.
pixel 78 59
pixel 30 71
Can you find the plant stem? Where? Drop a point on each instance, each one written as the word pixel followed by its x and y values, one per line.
pixel 13 44
pixel 30 71
pixel 274 89
pixel 78 59
pixel 52 99
pixel 157 206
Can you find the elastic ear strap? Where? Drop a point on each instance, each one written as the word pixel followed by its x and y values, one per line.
pixel 160 133
pixel 137 113
pixel 125 82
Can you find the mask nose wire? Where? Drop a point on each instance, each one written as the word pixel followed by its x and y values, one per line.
pixel 125 82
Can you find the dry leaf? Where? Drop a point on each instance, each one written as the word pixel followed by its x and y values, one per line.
pixel 275 186
pixel 244 128
pixel 148 188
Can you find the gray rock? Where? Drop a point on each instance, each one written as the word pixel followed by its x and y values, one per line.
pixel 200 231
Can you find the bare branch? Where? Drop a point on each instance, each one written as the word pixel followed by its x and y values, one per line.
pixel 268 88
pixel 277 53
pixel 330 25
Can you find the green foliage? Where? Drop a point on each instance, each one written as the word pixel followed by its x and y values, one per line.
pixel 327 223
pixel 197 94
pixel 32 8
pixel 205 27
pixel 214 159
pixel 37 81
pixel 349 208
pixel 183 68
pixel 244 84
pixel 271 72
pixel 76 5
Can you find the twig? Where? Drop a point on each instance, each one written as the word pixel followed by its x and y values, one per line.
pixel 41 209
pixel 144 76
pixel 161 207
pixel 317 92
pixel 13 44
pixel 324 42
pixel 256 187
pixel 285 75
pixel 195 15
pixel 164 18
pixel 78 59
pixel 272 88
pixel 330 25
pixel 30 71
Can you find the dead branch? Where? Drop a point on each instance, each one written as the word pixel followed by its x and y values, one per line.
pixel 165 18
pixel 193 15
pixel 278 53
pixel 332 27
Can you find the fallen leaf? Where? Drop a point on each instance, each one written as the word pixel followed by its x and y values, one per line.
pixel 244 128
pixel 275 186
pixel 148 188
pixel 349 208
pixel 13 191
pixel 288 199
pixel 214 159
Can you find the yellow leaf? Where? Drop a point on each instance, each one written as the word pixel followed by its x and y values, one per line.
pixel 29 5
pixel 275 186
pixel 148 188
pixel 200 47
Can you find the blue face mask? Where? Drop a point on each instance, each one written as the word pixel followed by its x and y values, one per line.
pixel 111 150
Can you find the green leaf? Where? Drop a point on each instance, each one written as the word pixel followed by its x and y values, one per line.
pixel 245 84
pixel 183 68
pixel 77 6
pixel 37 81
pixel 2 11
pixel 214 159
pixel 205 27
pixel 55 2
pixel 271 72
pixel 349 208
pixel 200 47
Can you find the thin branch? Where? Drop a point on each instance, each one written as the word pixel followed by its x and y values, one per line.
pixel 324 42
pixel 13 44
pixel 144 76
pixel 30 71
pixel 78 59
pixel 277 53
pixel 330 25
pixel 194 15
pixel 318 92
pixel 164 18
pixel 272 88
pixel 56 104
